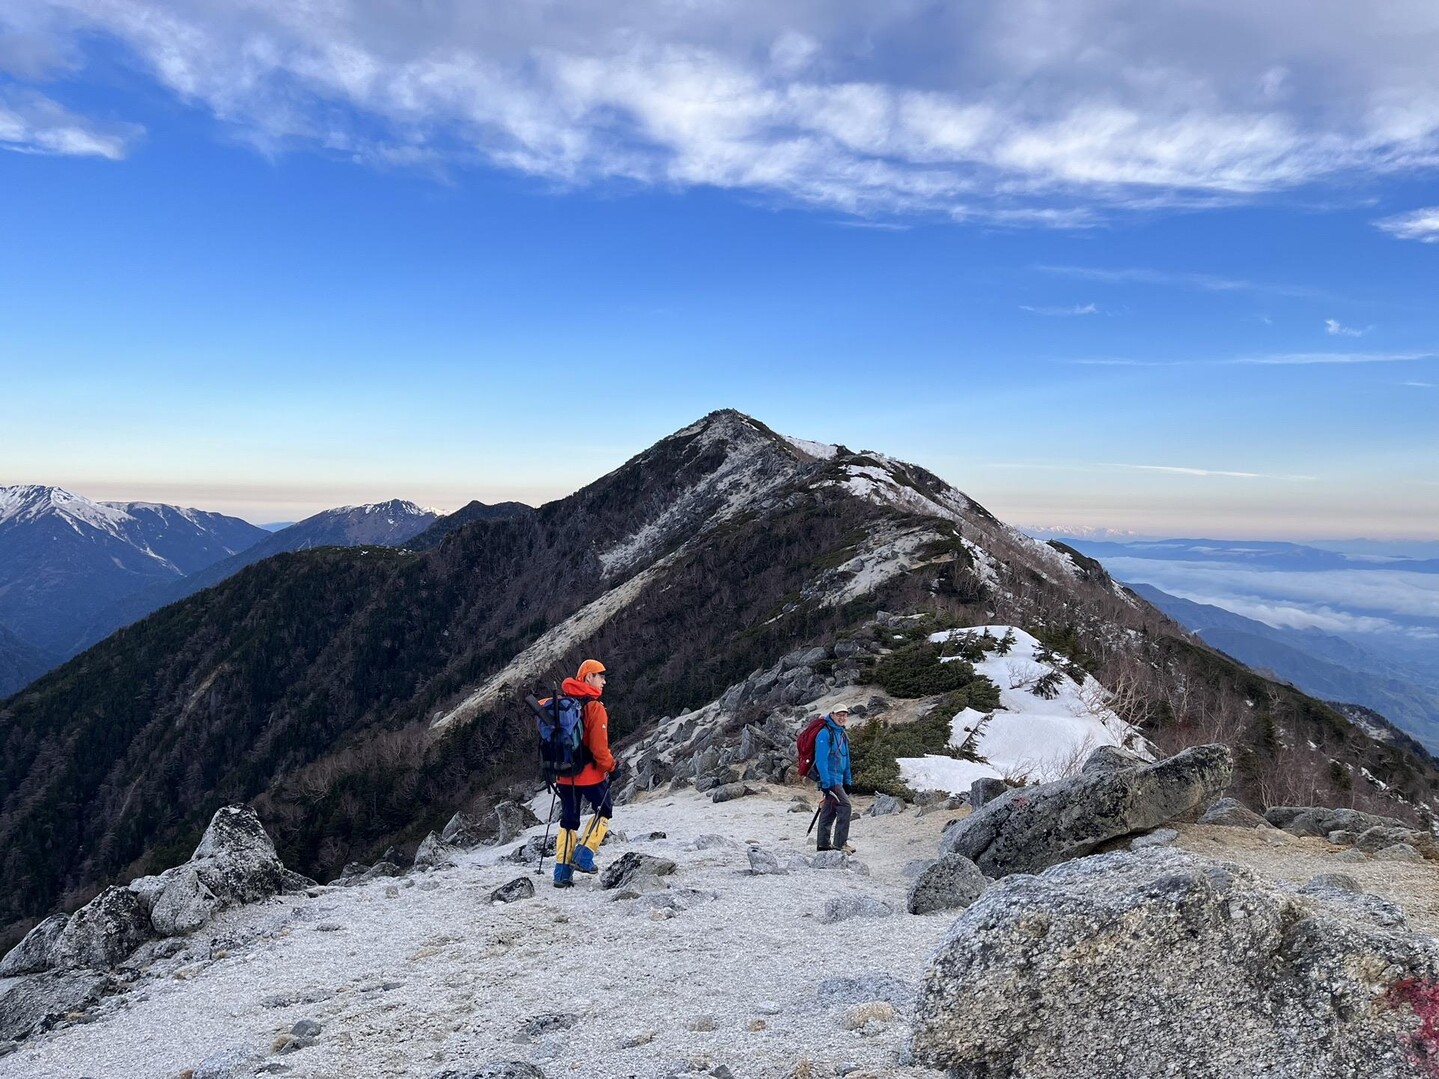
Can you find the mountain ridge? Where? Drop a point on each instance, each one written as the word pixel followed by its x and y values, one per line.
pixel 310 684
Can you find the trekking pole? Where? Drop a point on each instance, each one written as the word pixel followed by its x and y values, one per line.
pixel 817 809
pixel 549 819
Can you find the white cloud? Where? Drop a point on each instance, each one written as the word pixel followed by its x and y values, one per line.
pixel 1178 470
pixel 1359 593
pixel 1049 113
pixel 34 124
pixel 1076 309
pixel 1198 281
pixel 1285 359
pixel 1421 225
pixel 1334 328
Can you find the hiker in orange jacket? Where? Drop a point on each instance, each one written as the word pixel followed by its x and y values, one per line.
pixel 591 784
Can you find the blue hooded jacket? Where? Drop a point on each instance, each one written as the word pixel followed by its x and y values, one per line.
pixel 831 755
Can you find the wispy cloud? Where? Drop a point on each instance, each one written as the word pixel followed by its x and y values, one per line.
pixel 1197 281
pixel 1060 312
pixel 1177 470
pixel 1183 471
pixel 1421 225
pixel 1024 113
pixel 1288 359
pixel 1419 385
pixel 1334 328
pixel 32 123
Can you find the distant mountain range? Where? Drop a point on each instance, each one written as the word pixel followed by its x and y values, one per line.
pixel 383 524
pixel 73 570
pixel 1321 664
pixel 63 558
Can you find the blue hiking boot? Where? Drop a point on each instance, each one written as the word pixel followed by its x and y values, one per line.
pixel 584 860
pixel 564 876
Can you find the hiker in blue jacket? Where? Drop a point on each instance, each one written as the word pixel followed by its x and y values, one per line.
pixel 831 761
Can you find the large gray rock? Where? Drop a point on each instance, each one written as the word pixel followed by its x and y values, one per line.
pixel 1232 813
pixel 234 863
pixel 38 1001
pixel 184 903
pixel 986 789
pixel 433 853
pixel 1031 828
pixel 36 951
pixel 236 858
pixel 506 822
pixel 1111 759
pixel 951 883
pixel 102 932
pixel 1160 962
pixel 1321 820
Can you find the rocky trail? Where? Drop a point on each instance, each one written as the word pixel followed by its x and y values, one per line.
pixel 750 957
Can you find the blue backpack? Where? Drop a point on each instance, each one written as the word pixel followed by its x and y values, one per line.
pixel 561 723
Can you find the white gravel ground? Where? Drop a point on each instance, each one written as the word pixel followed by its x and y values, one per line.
pixel 415 977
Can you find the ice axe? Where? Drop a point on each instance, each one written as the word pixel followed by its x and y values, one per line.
pixel 822 801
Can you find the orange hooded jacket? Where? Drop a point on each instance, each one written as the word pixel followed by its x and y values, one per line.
pixel 597 735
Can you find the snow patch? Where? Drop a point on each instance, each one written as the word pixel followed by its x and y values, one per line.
pixel 1031 736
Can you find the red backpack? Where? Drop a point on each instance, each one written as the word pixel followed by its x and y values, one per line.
pixel 805 745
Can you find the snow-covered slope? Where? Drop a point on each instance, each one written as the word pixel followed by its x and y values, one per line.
pixel 426 976
pixel 1046 725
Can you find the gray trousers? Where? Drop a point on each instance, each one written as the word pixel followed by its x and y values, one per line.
pixel 834 813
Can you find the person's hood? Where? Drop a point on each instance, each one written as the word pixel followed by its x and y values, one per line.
pixel 573 687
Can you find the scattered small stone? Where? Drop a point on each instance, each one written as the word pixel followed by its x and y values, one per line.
pixel 306 1028
pixel 756 1025
pixel 392 891
pixel 634 1041
pixel 286 1043
pixel 702 1023
pixel 842 908
pixel 800 807
pixel 429 885
pixel 1398 852
pixel 884 805
pixel 328 927
pixel 768 1007
pixel 1350 856
pixel 519 888
pixel 655 835
pixel 548 1023
pixel 880 1011
pixel 762 862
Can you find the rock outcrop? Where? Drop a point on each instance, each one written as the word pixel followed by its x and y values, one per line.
pixel 1030 828
pixel 952 883
pixel 1160 962
pixel 234 863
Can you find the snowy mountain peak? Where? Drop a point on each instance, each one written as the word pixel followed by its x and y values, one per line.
pixel 28 502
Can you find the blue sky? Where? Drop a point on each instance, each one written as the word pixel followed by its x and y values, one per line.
pixel 1096 267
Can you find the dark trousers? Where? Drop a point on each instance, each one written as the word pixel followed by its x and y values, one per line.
pixel 597 794
pixel 834 812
